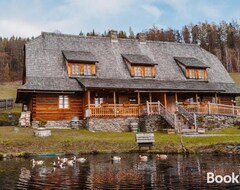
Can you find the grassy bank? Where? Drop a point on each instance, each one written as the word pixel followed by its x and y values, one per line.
pixel 21 140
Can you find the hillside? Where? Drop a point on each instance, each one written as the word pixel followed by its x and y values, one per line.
pixel 236 78
pixel 9 89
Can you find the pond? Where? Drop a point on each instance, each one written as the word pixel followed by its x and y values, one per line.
pixel 100 172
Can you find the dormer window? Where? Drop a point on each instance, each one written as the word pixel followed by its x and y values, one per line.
pixel 192 67
pixel 140 65
pixel 80 63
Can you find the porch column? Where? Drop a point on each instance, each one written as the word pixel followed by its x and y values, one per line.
pixel 150 97
pixel 139 102
pixel 216 98
pixel 196 97
pixel 176 97
pixel 165 99
pixel 88 98
pixel 114 102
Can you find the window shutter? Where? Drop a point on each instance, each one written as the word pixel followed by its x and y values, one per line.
pixel 153 72
pixel 69 69
pixel 142 71
pixel 187 73
pixel 132 71
pixel 81 69
pixel 93 69
pixel 196 73
pixel 205 74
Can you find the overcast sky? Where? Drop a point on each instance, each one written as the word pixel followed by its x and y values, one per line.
pixel 27 18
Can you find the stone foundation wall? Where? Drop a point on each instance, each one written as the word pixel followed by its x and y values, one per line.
pixel 110 124
pixel 214 121
pixel 151 123
pixel 64 124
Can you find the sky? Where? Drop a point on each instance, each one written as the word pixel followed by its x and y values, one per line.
pixel 28 18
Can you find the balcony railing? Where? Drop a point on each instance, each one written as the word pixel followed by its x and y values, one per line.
pixel 212 108
pixel 116 110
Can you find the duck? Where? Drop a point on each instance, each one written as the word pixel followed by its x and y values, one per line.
pixel 143 158
pixel 161 156
pixel 81 160
pixel 63 160
pixel 37 162
pixel 70 162
pixel 116 158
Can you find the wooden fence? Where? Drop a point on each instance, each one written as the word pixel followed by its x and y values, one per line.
pixel 6 104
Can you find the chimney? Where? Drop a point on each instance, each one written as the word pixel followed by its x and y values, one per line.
pixel 141 38
pixel 113 36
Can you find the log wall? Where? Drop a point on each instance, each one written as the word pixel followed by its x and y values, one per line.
pixel 46 107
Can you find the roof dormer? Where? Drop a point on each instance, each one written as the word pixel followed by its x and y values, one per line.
pixel 192 68
pixel 80 63
pixel 140 66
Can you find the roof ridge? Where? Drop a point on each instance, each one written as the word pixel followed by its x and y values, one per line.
pixel 122 39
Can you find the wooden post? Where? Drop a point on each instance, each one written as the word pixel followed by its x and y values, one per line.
pixel 114 102
pixel 147 107
pixel 6 103
pixel 139 102
pixel 233 109
pixel 176 97
pixel 88 98
pixel 216 98
pixel 165 99
pixel 159 108
pixel 195 122
pixel 196 97
pixel 209 110
pixel 150 100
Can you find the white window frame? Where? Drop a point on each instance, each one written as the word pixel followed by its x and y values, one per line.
pixel 147 71
pixel 75 69
pixel 192 73
pixel 63 102
pixel 87 69
pixel 137 71
pixel 201 76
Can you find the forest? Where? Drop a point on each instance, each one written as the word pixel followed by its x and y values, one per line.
pixel 222 39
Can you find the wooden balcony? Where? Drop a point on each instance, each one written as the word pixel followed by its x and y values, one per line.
pixel 211 108
pixel 117 110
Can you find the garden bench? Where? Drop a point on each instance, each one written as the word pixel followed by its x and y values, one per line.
pixel 145 140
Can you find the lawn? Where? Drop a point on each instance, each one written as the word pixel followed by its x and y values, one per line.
pixel 21 140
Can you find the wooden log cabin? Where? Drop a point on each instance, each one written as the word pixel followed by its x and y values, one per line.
pixel 106 77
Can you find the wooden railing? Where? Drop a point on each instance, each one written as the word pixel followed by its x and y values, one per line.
pixel 6 104
pixel 116 110
pixel 212 109
pixel 159 109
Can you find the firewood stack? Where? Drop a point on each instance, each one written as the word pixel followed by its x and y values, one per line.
pixel 24 120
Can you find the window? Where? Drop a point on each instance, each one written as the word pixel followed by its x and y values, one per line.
pixel 137 71
pixel 98 101
pixel 192 74
pixel 201 74
pixel 75 69
pixel 87 69
pixel 148 71
pixel 63 102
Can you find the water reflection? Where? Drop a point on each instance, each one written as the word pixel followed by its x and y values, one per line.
pixel 101 172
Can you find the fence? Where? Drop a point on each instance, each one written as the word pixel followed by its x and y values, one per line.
pixel 6 104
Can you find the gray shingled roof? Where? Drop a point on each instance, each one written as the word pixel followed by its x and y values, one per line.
pixel 191 62
pixel 83 56
pixel 138 59
pixel 44 59
pixel 52 83
pixel 149 84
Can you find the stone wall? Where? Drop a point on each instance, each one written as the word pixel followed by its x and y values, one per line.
pixel 110 124
pixel 215 121
pixel 64 124
pixel 151 123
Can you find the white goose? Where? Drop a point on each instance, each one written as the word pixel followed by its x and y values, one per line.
pixel 116 158
pixel 143 158
pixel 37 162
pixel 81 160
pixel 63 160
pixel 58 165
pixel 161 156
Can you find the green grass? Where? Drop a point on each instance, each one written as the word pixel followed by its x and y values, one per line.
pixel 21 140
pixel 9 89
pixel 235 77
